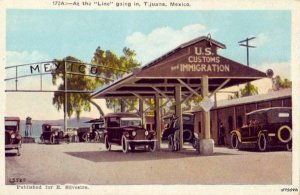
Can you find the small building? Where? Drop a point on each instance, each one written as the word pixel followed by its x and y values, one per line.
pixel 231 113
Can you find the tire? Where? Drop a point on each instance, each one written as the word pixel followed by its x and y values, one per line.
pixel 85 137
pixel 42 139
pixel 262 143
pixel 187 135
pixel 124 144
pixel 235 141
pixel 52 139
pixel 152 147
pixel 281 136
pixel 106 143
pixel 289 146
pixel 132 147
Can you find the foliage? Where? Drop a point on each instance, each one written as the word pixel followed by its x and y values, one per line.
pixel 109 67
pixel 248 90
pixel 279 83
pixel 114 68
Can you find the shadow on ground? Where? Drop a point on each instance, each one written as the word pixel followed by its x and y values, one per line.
pixel 138 155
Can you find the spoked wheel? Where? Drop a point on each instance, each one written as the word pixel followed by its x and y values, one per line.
pixel 235 141
pixel 262 143
pixel 152 147
pixel 289 146
pixel 52 139
pixel 106 143
pixel 124 144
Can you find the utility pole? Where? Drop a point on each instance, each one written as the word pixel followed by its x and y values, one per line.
pixel 245 43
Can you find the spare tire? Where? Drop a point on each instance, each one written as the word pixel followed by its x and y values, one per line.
pixel 284 134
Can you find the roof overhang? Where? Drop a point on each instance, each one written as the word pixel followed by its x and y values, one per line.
pixel 185 66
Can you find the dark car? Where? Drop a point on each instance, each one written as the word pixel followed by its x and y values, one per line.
pixel 96 131
pixel 53 134
pixel 12 134
pixel 171 125
pixel 266 128
pixel 126 129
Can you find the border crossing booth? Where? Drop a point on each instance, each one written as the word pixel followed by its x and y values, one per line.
pixel 192 69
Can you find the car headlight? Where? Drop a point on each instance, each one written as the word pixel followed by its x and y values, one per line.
pixel 146 133
pixel 133 133
pixel 13 136
pixel 56 133
pixel 126 134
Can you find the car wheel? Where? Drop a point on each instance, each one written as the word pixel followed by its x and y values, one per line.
pixel 152 146
pixel 124 144
pixel 262 143
pixel 106 143
pixel 85 137
pixel 235 141
pixel 187 135
pixel 42 139
pixel 132 146
pixel 52 139
pixel 289 146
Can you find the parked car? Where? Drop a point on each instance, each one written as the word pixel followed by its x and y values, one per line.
pixel 97 129
pixel 126 129
pixel 12 134
pixel 53 134
pixel 266 128
pixel 171 126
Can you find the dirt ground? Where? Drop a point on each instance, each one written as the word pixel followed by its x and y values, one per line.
pixel 88 163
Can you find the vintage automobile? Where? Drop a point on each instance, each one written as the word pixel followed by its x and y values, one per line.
pixel 266 128
pixel 53 134
pixel 171 125
pixel 126 129
pixel 12 134
pixel 96 131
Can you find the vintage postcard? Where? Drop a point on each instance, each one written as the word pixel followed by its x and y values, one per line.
pixel 149 97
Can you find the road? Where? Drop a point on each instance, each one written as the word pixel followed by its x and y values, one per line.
pixel 88 163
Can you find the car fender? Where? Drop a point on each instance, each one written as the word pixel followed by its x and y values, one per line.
pixel 238 133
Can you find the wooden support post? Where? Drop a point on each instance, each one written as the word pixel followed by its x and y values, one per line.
pixel 157 120
pixel 122 105
pixel 206 144
pixel 206 114
pixel 178 112
pixel 142 113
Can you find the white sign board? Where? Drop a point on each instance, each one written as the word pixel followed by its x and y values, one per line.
pixel 206 104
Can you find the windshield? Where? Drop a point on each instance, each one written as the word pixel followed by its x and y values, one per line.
pixel 131 122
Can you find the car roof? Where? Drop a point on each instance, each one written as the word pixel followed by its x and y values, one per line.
pixel 268 109
pixel 12 118
pixel 122 114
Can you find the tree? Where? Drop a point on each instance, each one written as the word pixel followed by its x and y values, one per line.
pixel 109 67
pixel 248 90
pixel 115 67
pixel 76 102
pixel 279 83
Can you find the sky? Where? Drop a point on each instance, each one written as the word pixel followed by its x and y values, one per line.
pixel 42 35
